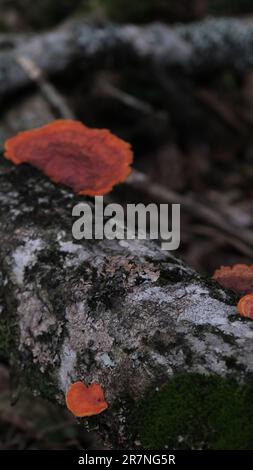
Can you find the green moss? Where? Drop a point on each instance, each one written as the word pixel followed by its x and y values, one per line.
pixel 6 336
pixel 42 383
pixel 197 412
pixel 30 376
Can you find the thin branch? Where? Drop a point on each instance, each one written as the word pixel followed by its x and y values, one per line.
pixel 210 45
pixel 211 216
pixel 240 240
pixel 50 93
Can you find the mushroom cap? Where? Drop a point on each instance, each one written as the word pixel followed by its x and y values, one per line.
pixel 245 306
pixel 85 401
pixel 90 161
pixel 238 277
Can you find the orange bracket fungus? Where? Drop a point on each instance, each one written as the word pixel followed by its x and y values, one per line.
pixel 239 277
pixel 90 161
pixel 85 401
pixel 245 306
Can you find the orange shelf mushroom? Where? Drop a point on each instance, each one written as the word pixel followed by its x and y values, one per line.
pixel 85 401
pixel 239 277
pixel 90 161
pixel 245 306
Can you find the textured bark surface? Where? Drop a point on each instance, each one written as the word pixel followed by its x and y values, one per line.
pixel 205 46
pixel 123 313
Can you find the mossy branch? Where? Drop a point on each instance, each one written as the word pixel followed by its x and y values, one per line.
pixel 124 314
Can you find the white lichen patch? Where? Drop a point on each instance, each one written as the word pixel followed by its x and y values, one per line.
pixel 195 290
pixel 141 248
pixel 74 253
pixel 66 373
pixel 105 360
pixel 24 256
pixel 199 308
pixel 159 359
pixel 84 337
pixel 154 294
pixel 36 320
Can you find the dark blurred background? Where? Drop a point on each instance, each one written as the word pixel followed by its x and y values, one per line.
pixel 43 14
pixel 191 135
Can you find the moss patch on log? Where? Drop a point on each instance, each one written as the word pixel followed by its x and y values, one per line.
pixel 5 338
pixel 197 412
pixel 42 384
pixel 8 331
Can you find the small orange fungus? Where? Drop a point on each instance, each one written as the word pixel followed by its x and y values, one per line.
pixel 245 306
pixel 85 401
pixel 90 161
pixel 239 277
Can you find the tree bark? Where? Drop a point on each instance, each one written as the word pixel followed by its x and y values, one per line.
pixel 123 313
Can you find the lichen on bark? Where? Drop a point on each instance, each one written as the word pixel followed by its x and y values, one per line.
pixel 123 313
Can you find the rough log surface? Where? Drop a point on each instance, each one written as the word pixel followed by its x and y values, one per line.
pixel 123 313
pixel 205 46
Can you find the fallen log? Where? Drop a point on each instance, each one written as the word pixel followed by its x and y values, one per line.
pixel 207 46
pixel 124 313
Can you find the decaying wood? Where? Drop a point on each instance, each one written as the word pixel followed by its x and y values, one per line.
pixel 123 313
